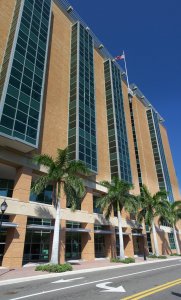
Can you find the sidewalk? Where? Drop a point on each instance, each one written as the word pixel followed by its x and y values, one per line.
pixel 29 269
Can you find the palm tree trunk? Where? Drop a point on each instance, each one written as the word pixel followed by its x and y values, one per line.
pixel 56 236
pixel 121 243
pixel 176 240
pixel 155 239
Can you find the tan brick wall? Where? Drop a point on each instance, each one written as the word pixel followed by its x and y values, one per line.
pixel 128 243
pixel 87 202
pixel 14 248
pixel 55 124
pixel 101 119
pixel 22 184
pixel 147 163
pixel 87 242
pixel 110 243
pixel 163 243
pixel 130 139
pixel 171 169
pixel 6 14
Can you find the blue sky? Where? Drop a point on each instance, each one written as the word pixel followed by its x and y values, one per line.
pixel 150 34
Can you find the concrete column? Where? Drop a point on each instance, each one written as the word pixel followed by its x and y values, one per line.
pixel 128 243
pixel 110 243
pixel 13 254
pixel 87 240
pixel 14 248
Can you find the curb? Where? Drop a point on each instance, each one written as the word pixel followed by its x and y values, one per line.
pixel 69 273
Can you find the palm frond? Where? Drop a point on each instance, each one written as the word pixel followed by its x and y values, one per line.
pixel 62 158
pixel 141 216
pixel 40 184
pixel 44 160
pixel 106 184
pixel 76 167
pixel 73 199
pixel 77 184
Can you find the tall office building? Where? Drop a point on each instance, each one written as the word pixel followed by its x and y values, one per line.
pixel 60 87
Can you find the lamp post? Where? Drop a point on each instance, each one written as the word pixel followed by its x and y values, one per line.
pixel 3 209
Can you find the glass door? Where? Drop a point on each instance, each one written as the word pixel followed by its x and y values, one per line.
pixel 73 245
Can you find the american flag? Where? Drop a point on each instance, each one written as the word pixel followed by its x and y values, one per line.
pixel 119 57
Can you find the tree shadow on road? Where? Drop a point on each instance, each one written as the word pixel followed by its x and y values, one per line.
pixel 176 294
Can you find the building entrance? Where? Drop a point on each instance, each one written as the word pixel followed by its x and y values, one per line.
pixel 73 245
pixel 37 246
pixel 99 242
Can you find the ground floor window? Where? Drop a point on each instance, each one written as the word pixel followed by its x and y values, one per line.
pixel 73 245
pixel 2 243
pixel 171 240
pixel 37 241
pixel 37 245
pixel 99 242
pixel 117 245
pixel 73 241
pixel 3 235
pixel 149 242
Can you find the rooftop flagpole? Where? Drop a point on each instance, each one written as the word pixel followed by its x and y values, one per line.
pixel 126 69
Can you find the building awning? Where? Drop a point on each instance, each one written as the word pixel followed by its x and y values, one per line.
pixel 138 234
pixel 124 233
pixel 103 231
pixel 77 230
pixel 9 225
pixel 40 227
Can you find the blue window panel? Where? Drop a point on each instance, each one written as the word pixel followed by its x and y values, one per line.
pixel 25 84
pixel 82 98
pixel 159 154
pixel 118 143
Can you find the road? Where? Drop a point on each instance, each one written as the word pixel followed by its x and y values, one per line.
pixel 161 280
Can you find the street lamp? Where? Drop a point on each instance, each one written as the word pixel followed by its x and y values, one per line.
pixel 3 209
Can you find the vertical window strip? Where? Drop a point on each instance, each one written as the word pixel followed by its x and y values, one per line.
pixel 84 143
pixel 159 155
pixel 21 112
pixel 9 46
pixel 135 145
pixel 118 147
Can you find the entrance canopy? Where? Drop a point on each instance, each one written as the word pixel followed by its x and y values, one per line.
pixel 9 225
pixel 77 230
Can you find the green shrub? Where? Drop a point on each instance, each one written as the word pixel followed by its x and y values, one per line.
pixel 159 256
pixel 152 256
pixel 127 260
pixel 162 256
pixel 54 268
pixel 175 254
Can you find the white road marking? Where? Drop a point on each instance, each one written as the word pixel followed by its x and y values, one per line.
pixel 111 289
pixel 67 280
pixel 92 282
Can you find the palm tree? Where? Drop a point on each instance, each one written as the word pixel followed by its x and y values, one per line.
pixel 117 197
pixel 150 207
pixel 63 175
pixel 174 215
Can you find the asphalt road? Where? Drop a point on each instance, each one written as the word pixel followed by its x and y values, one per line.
pixel 157 281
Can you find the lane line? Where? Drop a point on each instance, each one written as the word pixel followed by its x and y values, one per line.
pixel 91 270
pixel 177 281
pixel 157 291
pixel 92 282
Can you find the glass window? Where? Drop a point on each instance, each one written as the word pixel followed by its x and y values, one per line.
pixel 171 240
pixel 44 197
